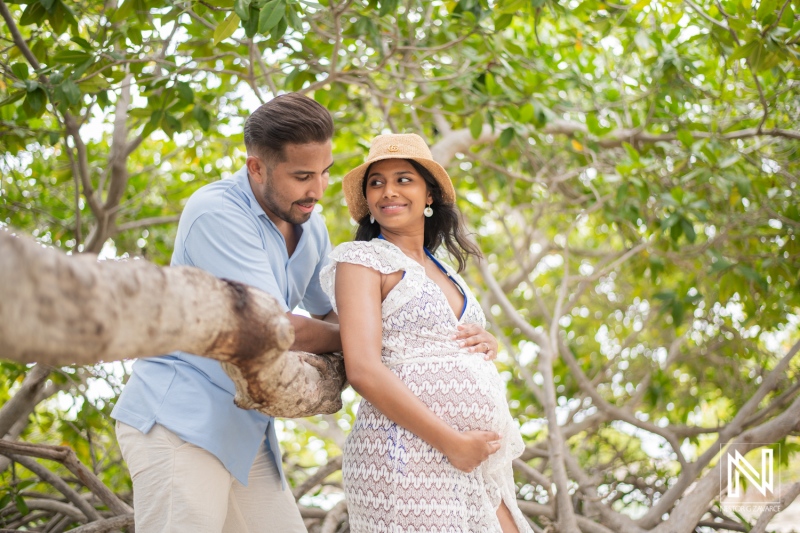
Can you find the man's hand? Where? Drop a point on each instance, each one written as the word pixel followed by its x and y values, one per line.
pixel 477 339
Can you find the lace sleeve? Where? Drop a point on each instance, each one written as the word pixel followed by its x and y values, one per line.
pixel 370 254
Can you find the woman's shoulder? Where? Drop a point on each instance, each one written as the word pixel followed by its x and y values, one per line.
pixel 377 254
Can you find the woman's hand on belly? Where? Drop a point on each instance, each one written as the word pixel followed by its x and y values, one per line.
pixel 470 448
pixel 477 340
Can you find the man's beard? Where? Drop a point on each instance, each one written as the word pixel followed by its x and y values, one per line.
pixel 285 215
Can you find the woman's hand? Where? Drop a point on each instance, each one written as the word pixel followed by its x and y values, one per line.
pixel 470 448
pixel 477 339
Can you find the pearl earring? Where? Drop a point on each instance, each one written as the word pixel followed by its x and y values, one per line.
pixel 428 212
pixel 371 219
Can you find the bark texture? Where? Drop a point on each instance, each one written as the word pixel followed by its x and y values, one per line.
pixel 61 310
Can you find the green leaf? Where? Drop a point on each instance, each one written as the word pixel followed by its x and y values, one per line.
pixel 676 231
pixel 185 92
pixel 270 15
pixel 251 24
pixel 83 43
pixel 94 84
pixel 719 265
pixel 141 10
pixel 730 160
pixel 503 21
pixel 20 70
pixel 491 85
pixel 135 35
pixel 765 8
pixel 656 268
pixel 242 8
pixel 593 124
pixel 685 137
pixel 280 29
pixel 506 137
pixel 688 230
pixel 47 4
pixel 387 6
pixel 202 117
pixel 632 153
pixel 5 499
pixel 476 125
pixel 152 124
pixel 25 483
pixel 742 183
pixel 31 85
pixel 34 103
pixel 22 507
pixel 33 14
pixel 124 11
pixel 71 92
pixel 56 18
pixel 752 275
pixel 171 125
pixel 745 50
pixel 295 22
pixel 677 312
pixel 226 28
pixel 73 57
pixel 526 113
pixel 13 97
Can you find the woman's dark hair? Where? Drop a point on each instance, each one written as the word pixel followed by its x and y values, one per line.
pixel 286 119
pixel 446 226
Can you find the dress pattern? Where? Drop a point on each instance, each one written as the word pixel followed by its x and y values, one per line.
pixel 393 480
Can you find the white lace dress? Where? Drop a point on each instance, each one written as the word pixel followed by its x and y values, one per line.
pixel 393 480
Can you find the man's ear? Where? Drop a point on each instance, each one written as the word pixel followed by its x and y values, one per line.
pixel 256 168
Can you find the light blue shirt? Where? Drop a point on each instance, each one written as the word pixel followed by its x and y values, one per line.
pixel 224 231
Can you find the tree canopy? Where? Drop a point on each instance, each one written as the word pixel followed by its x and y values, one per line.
pixel 630 171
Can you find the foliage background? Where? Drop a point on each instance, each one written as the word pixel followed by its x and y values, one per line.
pixel 630 171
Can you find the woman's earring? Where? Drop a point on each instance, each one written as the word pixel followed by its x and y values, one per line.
pixel 428 212
pixel 371 219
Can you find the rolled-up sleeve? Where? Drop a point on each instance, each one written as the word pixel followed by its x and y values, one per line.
pixel 315 301
pixel 227 244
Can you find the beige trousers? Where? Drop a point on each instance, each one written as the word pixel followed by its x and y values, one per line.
pixel 180 487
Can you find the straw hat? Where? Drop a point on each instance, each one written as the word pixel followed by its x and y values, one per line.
pixel 393 146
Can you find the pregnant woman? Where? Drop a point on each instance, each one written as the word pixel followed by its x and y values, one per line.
pixel 432 445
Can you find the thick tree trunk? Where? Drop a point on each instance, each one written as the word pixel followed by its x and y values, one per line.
pixel 61 310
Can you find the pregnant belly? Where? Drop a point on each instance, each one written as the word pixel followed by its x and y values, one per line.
pixel 465 391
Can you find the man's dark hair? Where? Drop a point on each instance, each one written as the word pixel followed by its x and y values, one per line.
pixel 446 226
pixel 286 119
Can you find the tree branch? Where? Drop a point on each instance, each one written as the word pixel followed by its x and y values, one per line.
pixel 51 478
pixel 733 428
pixel 135 309
pixel 19 41
pixel 25 399
pixel 787 498
pixel 319 476
pixel 334 518
pixel 690 509
pixel 68 458
pixel 146 222
pixel 104 526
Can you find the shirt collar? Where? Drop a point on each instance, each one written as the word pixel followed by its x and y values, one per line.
pixel 242 179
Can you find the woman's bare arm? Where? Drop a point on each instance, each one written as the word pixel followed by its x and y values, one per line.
pixel 358 298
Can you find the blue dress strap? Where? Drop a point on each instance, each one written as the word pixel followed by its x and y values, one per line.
pixel 446 273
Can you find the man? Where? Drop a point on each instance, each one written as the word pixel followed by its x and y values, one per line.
pixel 198 462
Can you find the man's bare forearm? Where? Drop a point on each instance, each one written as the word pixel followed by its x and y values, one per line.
pixel 314 335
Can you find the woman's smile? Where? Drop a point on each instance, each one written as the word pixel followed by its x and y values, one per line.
pixel 392 208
